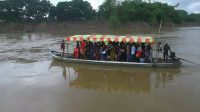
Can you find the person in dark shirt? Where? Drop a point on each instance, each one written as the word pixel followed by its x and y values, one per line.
pixel 63 47
pixel 117 52
pixel 166 49
pixel 128 53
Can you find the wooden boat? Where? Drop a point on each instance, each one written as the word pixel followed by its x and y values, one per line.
pixel 69 59
pixel 106 38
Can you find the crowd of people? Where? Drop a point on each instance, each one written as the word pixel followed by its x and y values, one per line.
pixel 113 51
pixel 117 51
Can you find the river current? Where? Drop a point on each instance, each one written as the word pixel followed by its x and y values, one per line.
pixel 31 82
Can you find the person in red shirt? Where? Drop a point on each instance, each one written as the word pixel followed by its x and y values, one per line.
pixel 76 53
pixel 139 53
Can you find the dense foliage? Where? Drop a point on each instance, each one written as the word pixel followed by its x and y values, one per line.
pixel 115 11
pixel 24 10
pixel 137 10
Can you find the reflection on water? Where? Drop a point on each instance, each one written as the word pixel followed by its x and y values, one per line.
pixel 115 79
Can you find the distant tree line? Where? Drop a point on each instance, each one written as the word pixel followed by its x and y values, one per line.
pixel 139 10
pixel 115 11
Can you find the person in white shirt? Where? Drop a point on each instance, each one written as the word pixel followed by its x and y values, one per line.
pixel 133 49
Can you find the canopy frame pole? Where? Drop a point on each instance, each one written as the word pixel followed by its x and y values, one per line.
pixel 160 26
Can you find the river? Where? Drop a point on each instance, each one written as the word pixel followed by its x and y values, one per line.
pixel 31 82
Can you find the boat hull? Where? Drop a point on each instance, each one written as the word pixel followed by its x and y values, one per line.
pixel 57 56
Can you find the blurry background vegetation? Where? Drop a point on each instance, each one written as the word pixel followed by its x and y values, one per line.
pixel 115 11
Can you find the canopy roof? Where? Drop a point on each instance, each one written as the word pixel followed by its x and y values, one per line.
pixel 107 38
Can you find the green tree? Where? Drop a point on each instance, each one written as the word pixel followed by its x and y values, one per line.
pixel 193 18
pixel 74 10
pixel 25 10
pixel 10 10
pixel 107 9
pixel 183 15
pixel 115 11
pixel 36 10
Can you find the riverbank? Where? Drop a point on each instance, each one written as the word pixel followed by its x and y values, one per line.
pixel 88 27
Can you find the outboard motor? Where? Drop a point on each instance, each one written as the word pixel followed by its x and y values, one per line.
pixel 173 56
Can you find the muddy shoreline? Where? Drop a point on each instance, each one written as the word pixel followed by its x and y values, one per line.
pixel 88 27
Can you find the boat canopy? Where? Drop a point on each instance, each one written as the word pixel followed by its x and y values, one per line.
pixel 107 38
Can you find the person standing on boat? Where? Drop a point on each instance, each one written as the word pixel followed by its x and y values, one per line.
pixel 112 54
pixel 77 51
pixel 147 54
pixel 123 51
pixel 108 51
pixel 92 51
pixel 82 49
pixel 166 49
pixel 76 54
pixel 63 47
pixel 78 47
pixel 96 50
pixel 120 52
pixel 139 53
pixel 87 50
pixel 103 52
pixel 133 49
pixel 150 56
pixel 117 49
pixel 128 50
pixel 160 51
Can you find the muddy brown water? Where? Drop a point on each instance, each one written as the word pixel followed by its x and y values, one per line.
pixel 31 82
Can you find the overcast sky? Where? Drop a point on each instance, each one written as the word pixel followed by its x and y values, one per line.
pixel 188 5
